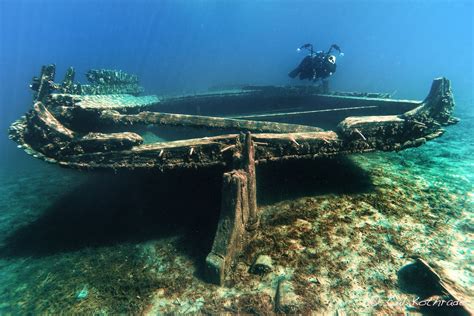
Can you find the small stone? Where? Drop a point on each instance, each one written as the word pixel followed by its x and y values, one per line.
pixel 466 225
pixel 341 312
pixel 313 280
pixel 295 245
pixel 160 292
pixel 303 225
pixel 311 252
pixel 262 265
pixel 82 294
pixel 286 301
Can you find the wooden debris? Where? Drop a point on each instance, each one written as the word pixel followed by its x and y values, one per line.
pixel 227 148
pixel 445 289
pixel 263 264
pixel 286 301
pixel 231 227
pixel 238 214
pixel 360 134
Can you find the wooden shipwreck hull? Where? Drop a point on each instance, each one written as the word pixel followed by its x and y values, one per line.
pixel 107 125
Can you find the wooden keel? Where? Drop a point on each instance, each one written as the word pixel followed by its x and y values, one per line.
pixel 238 215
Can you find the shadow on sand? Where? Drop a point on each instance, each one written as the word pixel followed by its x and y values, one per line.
pixel 132 207
pixel 294 179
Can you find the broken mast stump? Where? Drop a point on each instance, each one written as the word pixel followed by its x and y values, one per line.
pixel 238 215
pixel 44 84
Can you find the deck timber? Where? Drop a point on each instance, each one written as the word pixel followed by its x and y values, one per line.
pixel 89 132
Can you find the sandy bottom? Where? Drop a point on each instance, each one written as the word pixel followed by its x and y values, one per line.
pixel 338 231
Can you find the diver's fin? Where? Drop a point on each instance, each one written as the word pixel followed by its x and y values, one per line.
pixel 307 46
pixel 336 47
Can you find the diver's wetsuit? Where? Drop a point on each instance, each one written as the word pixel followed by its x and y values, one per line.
pixel 313 67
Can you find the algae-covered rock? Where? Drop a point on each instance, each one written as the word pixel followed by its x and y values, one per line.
pixel 286 300
pixel 82 294
pixel 303 225
pixel 262 265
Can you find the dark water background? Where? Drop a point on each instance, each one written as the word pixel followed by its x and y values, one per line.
pixel 186 46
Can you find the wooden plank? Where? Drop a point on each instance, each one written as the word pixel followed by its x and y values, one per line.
pixel 197 121
pixel 231 227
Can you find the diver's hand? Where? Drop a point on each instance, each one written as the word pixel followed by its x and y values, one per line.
pixel 341 54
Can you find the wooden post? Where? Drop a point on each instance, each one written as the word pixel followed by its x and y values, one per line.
pixel 45 82
pixel 238 215
pixel 249 167
pixel 231 226
pixel 67 85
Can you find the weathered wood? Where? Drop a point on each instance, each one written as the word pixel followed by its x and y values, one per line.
pixel 438 106
pixel 44 85
pixel 94 142
pixel 410 129
pixel 238 214
pixel 269 147
pixel 286 114
pixel 42 117
pixel 68 85
pixel 286 300
pixel 51 138
pixel 437 294
pixel 294 146
pixel 183 120
pixel 78 132
pixel 231 227
pixel 42 134
pixel 207 152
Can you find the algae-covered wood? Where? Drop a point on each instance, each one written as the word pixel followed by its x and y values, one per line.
pixel 105 131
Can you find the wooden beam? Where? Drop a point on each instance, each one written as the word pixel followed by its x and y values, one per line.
pixel 231 227
pixel 197 121
pixel 238 214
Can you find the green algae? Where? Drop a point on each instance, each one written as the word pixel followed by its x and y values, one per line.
pixel 115 281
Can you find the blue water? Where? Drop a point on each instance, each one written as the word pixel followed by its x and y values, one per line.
pixel 187 46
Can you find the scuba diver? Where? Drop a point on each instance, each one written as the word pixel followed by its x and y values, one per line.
pixel 317 65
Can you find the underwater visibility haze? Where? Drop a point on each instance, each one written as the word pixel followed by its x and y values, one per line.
pixel 345 234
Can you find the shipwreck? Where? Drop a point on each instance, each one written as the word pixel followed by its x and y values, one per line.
pixel 107 124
